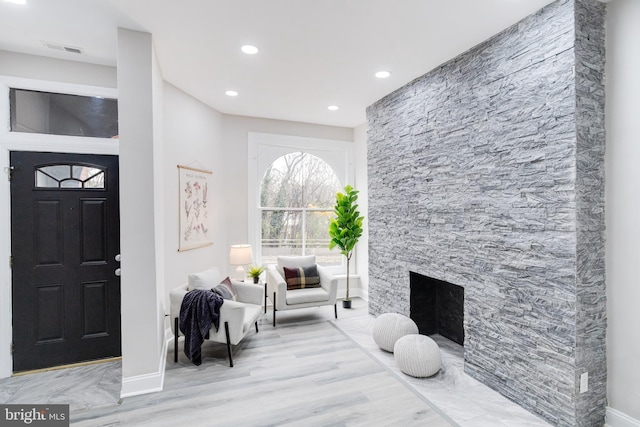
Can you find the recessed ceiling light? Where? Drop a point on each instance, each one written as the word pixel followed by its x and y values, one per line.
pixel 16 1
pixel 383 74
pixel 249 49
pixel 333 107
pixel 231 93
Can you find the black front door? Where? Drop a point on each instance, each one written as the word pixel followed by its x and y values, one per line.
pixel 65 236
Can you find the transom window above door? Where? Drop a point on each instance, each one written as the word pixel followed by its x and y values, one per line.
pixel 51 113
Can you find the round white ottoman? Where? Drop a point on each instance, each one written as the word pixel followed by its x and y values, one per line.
pixel 417 355
pixel 389 327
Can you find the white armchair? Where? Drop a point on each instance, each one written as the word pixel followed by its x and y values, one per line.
pixel 289 299
pixel 236 317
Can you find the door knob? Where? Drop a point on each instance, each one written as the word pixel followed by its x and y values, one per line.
pixel 117 272
pixel 118 257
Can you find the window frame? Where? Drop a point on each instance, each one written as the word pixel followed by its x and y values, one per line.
pixel 46 142
pixel 264 149
pixel 13 110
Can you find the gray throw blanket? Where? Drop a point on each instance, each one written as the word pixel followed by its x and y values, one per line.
pixel 199 310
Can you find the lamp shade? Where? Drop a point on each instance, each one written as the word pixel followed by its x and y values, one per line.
pixel 240 255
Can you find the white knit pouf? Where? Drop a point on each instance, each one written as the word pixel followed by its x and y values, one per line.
pixel 417 355
pixel 389 327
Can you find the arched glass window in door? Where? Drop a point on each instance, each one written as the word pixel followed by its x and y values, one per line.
pixel 297 196
pixel 68 176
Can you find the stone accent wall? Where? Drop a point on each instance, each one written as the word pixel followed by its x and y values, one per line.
pixel 591 322
pixel 488 172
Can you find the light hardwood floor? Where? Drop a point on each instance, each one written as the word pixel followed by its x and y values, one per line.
pixel 303 372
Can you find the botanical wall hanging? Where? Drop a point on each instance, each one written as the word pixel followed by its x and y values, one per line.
pixel 195 208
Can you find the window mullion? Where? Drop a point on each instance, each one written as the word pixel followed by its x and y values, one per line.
pixel 304 232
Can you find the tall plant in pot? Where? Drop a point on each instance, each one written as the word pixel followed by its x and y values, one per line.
pixel 346 228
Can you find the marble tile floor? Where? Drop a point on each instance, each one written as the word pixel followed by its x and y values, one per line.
pixel 460 397
pixel 303 372
pixel 82 387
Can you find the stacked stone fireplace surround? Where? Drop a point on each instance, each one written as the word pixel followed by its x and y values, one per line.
pixel 488 173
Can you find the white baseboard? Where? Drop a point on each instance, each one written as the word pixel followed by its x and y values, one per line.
pixel 354 293
pixel 147 383
pixel 616 418
pixel 141 384
pixel 354 285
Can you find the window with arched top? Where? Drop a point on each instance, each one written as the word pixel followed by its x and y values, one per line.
pixel 297 196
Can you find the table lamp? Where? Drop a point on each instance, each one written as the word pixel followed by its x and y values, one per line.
pixel 240 255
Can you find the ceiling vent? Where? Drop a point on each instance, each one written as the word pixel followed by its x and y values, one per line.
pixel 63 48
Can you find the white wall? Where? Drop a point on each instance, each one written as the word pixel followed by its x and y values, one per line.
pixel 623 210
pixel 361 184
pixel 192 135
pixel 159 180
pixel 41 68
pixel 143 341
pixel 199 136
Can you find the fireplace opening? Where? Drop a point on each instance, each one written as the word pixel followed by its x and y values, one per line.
pixel 437 307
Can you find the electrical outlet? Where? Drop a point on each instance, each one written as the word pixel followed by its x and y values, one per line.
pixel 584 382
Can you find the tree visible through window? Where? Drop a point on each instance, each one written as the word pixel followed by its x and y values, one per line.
pixel 297 196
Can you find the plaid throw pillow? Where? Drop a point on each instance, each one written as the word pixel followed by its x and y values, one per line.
pixel 226 290
pixel 302 277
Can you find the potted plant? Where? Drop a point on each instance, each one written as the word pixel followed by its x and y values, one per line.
pixel 255 271
pixel 346 228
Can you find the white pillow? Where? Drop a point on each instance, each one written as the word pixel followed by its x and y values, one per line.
pixel 207 279
pixel 295 262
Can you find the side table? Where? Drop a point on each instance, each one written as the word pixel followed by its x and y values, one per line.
pixel 265 297
pixel 264 283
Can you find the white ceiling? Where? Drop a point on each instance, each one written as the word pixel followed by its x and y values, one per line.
pixel 313 53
